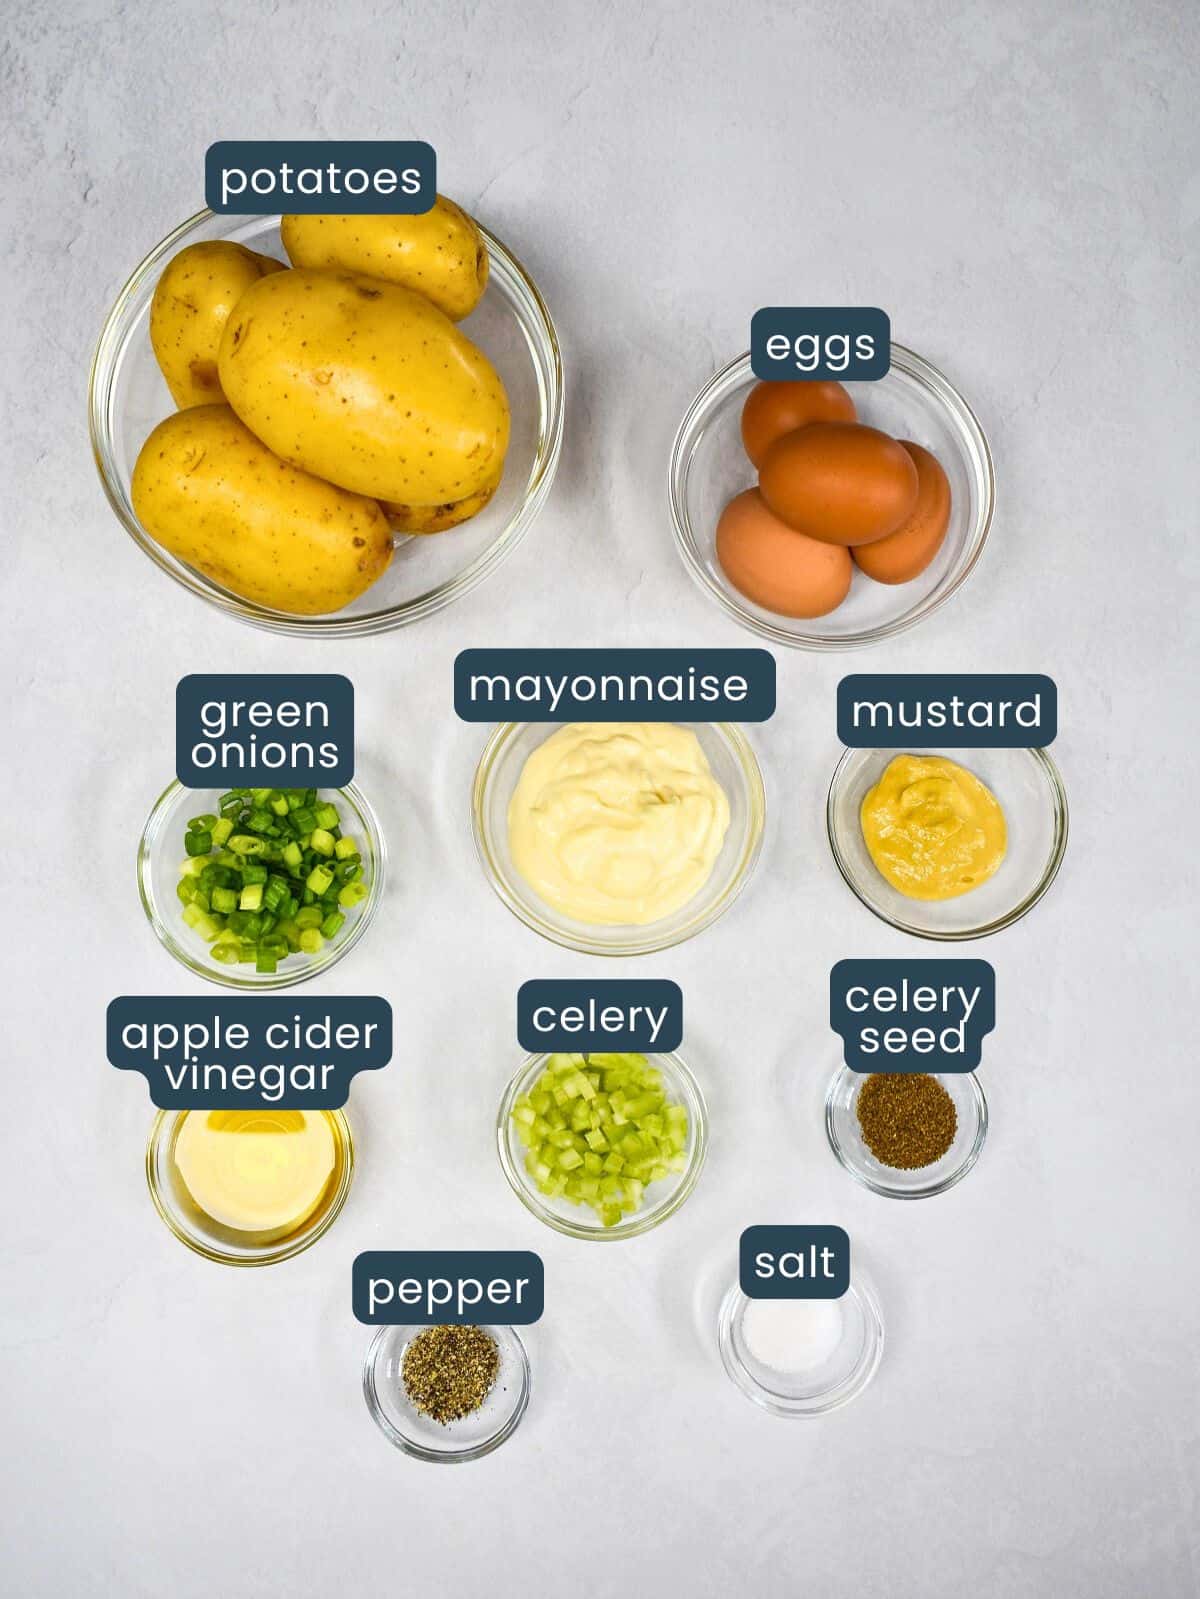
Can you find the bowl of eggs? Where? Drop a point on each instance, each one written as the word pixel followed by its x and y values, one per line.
pixel 826 516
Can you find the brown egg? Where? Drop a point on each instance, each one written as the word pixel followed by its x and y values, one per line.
pixel 773 409
pixel 776 567
pixel 840 482
pixel 906 553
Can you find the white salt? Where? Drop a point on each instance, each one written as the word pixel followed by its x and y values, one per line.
pixel 792 1335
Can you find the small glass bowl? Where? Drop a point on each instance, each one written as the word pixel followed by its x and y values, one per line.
pixel 846 1139
pixel 1030 791
pixel 161 851
pixel 207 1237
pixel 914 401
pixel 446 1444
pixel 663 1198
pixel 827 1387
pixel 127 398
pixel 733 765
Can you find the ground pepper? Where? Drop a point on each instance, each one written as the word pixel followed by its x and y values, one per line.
pixel 448 1372
pixel 907 1120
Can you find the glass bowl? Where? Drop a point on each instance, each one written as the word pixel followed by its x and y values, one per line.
pixel 733 765
pixel 838 1380
pixel 467 1439
pixel 663 1198
pixel 222 1244
pixel 161 850
pixel 1031 795
pixel 914 401
pixel 847 1143
pixel 127 398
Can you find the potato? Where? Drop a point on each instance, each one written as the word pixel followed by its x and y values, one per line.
pixel 198 289
pixel 216 497
pixel 441 254
pixel 365 384
pixel 437 518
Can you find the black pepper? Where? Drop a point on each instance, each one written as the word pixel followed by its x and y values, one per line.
pixel 448 1372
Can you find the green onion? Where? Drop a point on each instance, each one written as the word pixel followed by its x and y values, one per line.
pixel 272 876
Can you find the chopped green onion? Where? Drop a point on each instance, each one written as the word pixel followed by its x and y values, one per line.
pixel 272 876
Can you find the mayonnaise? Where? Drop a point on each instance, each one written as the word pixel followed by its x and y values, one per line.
pixel 617 823
pixel 256 1171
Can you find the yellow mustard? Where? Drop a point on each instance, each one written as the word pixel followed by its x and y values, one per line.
pixel 617 823
pixel 256 1171
pixel 932 828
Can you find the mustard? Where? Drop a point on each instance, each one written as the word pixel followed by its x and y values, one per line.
pixel 262 1172
pixel 932 828
pixel 617 823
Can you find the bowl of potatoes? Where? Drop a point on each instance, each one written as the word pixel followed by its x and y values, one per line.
pixel 329 425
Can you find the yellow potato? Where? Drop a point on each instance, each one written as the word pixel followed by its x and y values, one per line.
pixel 365 384
pixel 198 289
pixel 441 254
pixel 216 497
pixel 437 518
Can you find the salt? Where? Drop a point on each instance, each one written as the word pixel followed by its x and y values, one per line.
pixel 792 1335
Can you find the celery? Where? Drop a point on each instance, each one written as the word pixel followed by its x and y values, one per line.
pixel 598 1130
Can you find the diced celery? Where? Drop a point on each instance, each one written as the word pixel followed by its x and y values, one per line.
pixel 598 1130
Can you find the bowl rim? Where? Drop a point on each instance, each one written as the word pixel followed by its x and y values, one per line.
pixel 645 941
pixel 862 1290
pixel 445 1457
pixel 679 467
pixel 101 381
pixel 632 1226
pixel 1062 827
pixel 889 1190
pixel 230 976
pixel 271 1254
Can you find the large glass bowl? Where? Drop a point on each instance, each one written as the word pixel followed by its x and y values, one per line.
pixel 735 768
pixel 128 398
pixel 914 401
pixel 1031 795
pixel 161 850
pixel 663 1198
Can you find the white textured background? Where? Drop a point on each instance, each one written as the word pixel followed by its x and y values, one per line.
pixel 1019 189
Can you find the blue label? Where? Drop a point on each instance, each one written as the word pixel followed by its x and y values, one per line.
pixel 231 1054
pixel 912 1015
pixel 794 1262
pixel 373 177
pixel 583 1014
pixel 615 685
pixel 798 343
pixel 264 730
pixel 448 1287
pixel 950 710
